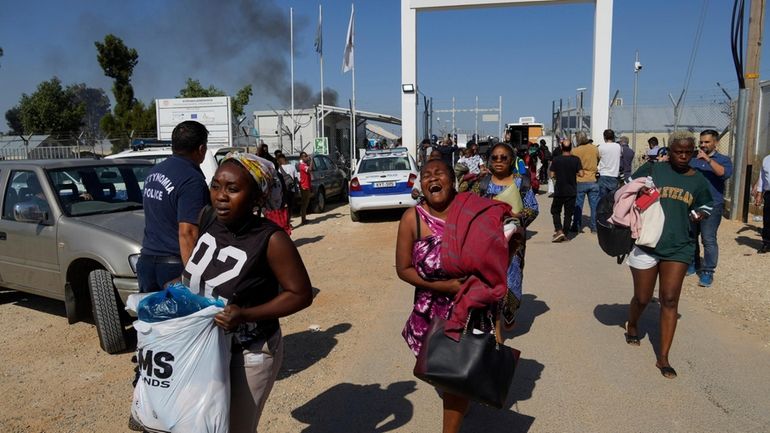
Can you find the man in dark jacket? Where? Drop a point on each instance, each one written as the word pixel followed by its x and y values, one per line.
pixel 626 158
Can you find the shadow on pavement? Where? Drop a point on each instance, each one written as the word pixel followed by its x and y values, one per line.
pixel 56 308
pixel 305 348
pixel 34 302
pixel 491 420
pixel 315 220
pixel 531 307
pixel 750 228
pixel 360 408
pixel 754 243
pixel 649 323
pixel 304 241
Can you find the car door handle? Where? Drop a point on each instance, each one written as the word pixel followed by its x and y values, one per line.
pixel 3 236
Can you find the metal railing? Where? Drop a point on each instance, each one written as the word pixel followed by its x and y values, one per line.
pixel 47 152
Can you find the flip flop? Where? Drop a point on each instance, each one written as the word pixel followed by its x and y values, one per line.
pixel 668 372
pixel 632 340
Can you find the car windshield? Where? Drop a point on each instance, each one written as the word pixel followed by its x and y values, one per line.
pixel 99 189
pixel 384 164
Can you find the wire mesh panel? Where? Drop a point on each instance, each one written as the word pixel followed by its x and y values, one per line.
pixel 47 152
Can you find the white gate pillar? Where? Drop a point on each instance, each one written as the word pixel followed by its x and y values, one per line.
pixel 409 76
pixel 600 97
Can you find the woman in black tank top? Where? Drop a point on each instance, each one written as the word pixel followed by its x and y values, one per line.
pixel 243 258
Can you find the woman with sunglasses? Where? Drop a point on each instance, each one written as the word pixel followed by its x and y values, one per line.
pixel 503 182
pixel 684 197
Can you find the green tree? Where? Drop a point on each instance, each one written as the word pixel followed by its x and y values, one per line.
pixel 118 62
pixel 1 51
pixel 51 110
pixel 194 89
pixel 13 119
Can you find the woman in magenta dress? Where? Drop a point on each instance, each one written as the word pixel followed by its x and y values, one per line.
pixel 418 262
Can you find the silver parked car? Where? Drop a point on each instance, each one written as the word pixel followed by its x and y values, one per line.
pixel 72 230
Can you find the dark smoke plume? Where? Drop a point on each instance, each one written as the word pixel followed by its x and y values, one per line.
pixel 215 33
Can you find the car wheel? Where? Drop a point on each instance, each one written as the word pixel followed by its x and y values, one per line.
pixel 320 202
pixel 104 301
pixel 355 216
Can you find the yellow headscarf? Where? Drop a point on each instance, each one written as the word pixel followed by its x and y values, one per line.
pixel 264 173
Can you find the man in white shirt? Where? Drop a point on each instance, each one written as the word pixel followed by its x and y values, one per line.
pixel 762 191
pixel 609 163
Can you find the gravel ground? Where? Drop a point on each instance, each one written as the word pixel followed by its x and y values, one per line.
pixel 741 289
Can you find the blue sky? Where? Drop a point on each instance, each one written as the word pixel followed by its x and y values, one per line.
pixel 528 55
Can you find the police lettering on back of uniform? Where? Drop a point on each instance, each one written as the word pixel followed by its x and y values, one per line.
pixel 175 191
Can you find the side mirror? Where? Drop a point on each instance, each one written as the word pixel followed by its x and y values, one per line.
pixel 27 212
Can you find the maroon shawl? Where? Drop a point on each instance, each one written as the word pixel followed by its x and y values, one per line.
pixel 474 246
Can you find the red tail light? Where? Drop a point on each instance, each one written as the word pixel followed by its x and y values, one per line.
pixel 355 185
pixel 412 179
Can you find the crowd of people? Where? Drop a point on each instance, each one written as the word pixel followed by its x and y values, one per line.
pixel 689 175
pixel 456 267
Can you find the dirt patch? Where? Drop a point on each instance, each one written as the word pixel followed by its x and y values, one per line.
pixel 741 289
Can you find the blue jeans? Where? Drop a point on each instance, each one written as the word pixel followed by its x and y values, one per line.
pixel 607 184
pixel 155 271
pixel 591 189
pixel 707 229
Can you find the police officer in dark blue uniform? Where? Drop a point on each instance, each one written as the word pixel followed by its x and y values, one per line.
pixel 175 191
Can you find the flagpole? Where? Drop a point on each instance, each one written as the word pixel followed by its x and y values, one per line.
pixel 353 70
pixel 321 53
pixel 291 41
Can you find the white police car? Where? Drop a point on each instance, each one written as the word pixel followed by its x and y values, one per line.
pixel 383 179
pixel 160 150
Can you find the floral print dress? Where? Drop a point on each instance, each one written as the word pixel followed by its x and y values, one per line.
pixel 426 259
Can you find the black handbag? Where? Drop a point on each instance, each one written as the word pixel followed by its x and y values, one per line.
pixel 477 367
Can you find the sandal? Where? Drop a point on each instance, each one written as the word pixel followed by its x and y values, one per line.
pixel 632 340
pixel 668 371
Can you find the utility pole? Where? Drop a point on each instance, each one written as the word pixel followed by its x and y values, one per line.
pixel 637 68
pixel 754 51
pixel 476 130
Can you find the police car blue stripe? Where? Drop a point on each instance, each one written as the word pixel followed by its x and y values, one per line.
pixel 369 189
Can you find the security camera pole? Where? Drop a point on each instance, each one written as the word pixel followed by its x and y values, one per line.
pixel 637 68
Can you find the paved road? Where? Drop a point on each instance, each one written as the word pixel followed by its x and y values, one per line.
pixel 576 373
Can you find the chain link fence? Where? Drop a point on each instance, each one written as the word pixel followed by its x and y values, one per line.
pixel 45 147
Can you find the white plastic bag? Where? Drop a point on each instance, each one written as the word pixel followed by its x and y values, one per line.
pixel 184 382
pixel 551 186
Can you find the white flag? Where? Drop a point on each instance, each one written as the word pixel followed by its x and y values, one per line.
pixel 319 35
pixel 347 60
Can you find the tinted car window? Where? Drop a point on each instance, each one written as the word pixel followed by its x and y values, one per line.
pixel 384 164
pixel 319 163
pixel 329 163
pixel 99 189
pixel 23 187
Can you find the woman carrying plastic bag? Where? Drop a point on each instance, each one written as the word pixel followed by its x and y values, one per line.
pixel 242 258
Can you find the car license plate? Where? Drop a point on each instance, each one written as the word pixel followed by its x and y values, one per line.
pixel 384 184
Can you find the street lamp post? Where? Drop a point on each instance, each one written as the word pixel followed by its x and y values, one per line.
pixel 637 68
pixel 579 107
